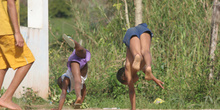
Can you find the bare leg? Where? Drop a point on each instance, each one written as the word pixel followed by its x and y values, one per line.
pixel 80 50
pixel 2 75
pixel 135 49
pixel 145 50
pixel 6 99
pixel 75 69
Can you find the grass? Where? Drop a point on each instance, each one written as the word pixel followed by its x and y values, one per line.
pixel 58 26
pixel 179 53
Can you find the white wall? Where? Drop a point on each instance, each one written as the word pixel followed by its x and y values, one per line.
pixel 36 37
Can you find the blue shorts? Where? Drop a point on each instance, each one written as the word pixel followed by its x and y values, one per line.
pixel 136 31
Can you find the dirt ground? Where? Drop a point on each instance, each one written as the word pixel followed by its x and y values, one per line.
pixel 80 109
pixel 122 109
pixel 43 107
pixel 48 107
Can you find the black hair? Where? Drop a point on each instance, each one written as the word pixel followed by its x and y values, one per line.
pixel 120 74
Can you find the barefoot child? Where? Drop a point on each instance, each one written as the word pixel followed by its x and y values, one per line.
pixel 14 52
pixel 138 57
pixel 76 74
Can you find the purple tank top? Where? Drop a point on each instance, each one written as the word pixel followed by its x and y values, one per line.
pixel 82 61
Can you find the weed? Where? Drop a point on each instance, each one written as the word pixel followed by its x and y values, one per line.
pixel 179 53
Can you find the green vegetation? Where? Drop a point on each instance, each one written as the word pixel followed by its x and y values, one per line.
pixel 60 8
pixel 179 52
pixel 23 14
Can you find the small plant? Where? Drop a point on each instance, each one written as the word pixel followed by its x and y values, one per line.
pixel 30 96
pixel 179 53
pixel 2 91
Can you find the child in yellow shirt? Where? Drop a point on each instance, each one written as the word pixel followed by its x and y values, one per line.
pixel 14 52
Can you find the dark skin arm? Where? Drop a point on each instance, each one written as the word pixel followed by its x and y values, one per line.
pixel 83 92
pixel 132 89
pixel 14 20
pixel 65 84
pixel 130 80
pixel 132 95
pixel 130 83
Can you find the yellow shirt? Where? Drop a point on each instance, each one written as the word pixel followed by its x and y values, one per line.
pixel 5 23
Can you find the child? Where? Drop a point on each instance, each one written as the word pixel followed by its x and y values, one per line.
pixel 14 52
pixel 138 57
pixel 76 74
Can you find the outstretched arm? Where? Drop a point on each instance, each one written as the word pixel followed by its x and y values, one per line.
pixel 62 99
pixel 83 92
pixel 129 78
pixel 14 20
pixel 130 82
pixel 132 95
pixel 65 84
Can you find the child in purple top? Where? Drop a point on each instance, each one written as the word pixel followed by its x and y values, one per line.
pixel 76 74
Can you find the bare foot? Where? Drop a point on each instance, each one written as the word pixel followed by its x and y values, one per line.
pixel 148 74
pixel 9 104
pixel 137 62
pixel 77 103
pixel 78 100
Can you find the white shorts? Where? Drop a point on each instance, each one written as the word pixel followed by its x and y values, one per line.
pixel 69 75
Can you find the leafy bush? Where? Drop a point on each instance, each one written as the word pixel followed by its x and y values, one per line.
pixel 23 14
pixel 60 8
pixel 179 52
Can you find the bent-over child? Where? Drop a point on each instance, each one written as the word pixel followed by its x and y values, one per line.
pixel 76 74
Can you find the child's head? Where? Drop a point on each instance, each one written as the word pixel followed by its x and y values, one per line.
pixel 59 82
pixel 121 75
pixel 122 78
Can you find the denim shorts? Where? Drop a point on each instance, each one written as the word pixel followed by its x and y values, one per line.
pixel 136 31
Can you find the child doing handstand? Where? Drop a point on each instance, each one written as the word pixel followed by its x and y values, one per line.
pixel 76 74
pixel 138 57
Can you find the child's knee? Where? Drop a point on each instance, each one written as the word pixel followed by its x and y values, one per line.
pixel 145 51
pixel 127 65
pixel 147 68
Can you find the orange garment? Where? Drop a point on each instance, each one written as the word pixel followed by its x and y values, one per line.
pixel 5 23
pixel 12 56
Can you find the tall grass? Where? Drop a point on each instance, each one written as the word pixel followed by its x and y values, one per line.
pixel 179 53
